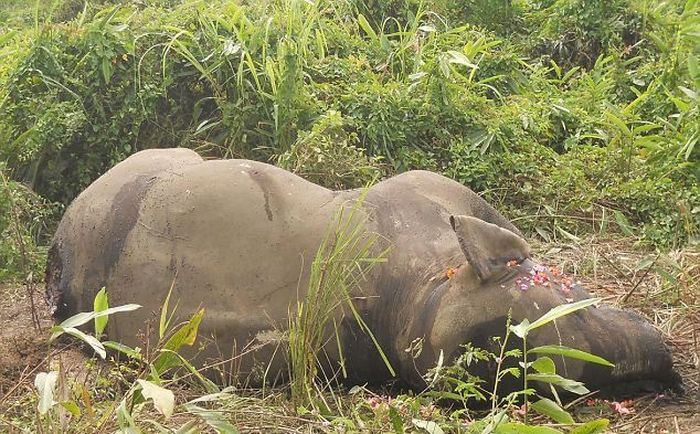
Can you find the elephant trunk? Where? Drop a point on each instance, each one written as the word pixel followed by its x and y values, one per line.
pixel 643 362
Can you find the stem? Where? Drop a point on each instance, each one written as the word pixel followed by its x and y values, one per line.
pixel 525 376
pixel 494 394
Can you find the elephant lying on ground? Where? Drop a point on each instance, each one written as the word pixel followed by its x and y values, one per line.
pixel 240 235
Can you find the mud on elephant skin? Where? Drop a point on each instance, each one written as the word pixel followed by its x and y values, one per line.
pixel 240 234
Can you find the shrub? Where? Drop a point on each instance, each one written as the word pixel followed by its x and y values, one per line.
pixel 329 156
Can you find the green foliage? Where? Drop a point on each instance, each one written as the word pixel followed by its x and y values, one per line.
pixel 577 32
pixel 559 111
pixel 330 156
pixel 455 381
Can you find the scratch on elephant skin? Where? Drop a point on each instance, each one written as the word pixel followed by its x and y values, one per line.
pixel 160 234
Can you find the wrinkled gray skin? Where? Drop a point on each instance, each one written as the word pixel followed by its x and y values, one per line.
pixel 240 236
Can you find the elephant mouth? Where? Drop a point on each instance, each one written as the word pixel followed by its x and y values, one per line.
pixel 634 387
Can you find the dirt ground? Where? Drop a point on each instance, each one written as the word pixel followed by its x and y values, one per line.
pixel 666 292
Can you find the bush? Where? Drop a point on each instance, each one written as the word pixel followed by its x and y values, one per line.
pixel 24 225
pixel 329 156
pixel 498 96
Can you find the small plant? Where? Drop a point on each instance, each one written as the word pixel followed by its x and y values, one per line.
pixel 148 383
pixel 346 254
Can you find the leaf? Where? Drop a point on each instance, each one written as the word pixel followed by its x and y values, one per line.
pixel 71 407
pixel 521 329
pixel 85 317
pixel 396 420
pixel 645 262
pixel 544 365
pixel 126 420
pixel 519 428
pixel 213 418
pixel 562 310
pixel 569 235
pixel 366 26
pixel 623 223
pixel 571 385
pixel 106 69
pixel 427 425
pixel 552 410
pixel 100 304
pixel 45 382
pixel 133 353
pixel 208 384
pixel 185 335
pixel 571 353
pixel 189 428
pixel 163 399
pixel 690 93
pixel 459 58
pixel 90 340
pixel 164 320
pixel 593 427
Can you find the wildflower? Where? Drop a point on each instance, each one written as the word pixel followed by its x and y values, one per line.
pixel 622 408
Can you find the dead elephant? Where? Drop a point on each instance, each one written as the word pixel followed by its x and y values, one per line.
pixel 240 234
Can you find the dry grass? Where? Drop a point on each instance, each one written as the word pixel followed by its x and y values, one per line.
pixel 665 289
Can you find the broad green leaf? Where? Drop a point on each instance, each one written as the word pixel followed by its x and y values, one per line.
pixel 571 385
pixel 544 365
pixel 459 58
pixel 185 335
pixel 428 425
pixel 521 329
pixel 552 410
pixel 521 428
pixel 366 26
pixel 90 340
pixel 593 427
pixel 85 317
pixel 571 353
pixel 45 382
pixel 560 311
pixel 100 304
pixel 163 399
pixel 106 69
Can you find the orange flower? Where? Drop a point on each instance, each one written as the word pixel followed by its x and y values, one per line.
pixel 451 272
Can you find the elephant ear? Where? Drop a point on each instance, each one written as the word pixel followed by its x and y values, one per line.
pixel 487 247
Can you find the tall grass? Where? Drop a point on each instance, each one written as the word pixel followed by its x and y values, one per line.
pixel 346 255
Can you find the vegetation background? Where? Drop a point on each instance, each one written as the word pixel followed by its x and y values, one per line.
pixel 567 115
pixel 572 117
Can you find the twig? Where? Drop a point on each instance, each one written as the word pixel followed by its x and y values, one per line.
pixel 616 268
pixel 641 279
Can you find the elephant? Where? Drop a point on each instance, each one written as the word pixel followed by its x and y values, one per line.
pixel 236 237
